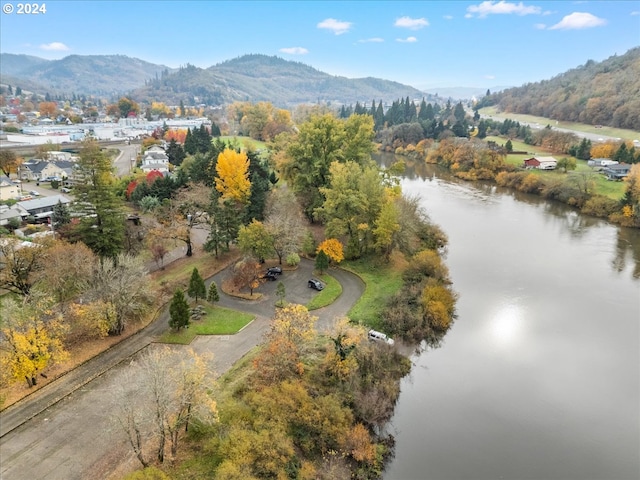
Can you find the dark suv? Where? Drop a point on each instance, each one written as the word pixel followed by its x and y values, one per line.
pixel 270 276
pixel 315 284
pixel 275 270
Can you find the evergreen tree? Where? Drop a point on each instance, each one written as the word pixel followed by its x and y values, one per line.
pixel 60 216
pixel 260 185
pixel 197 288
pixel 178 311
pixel 379 117
pixel 459 112
pixel 508 146
pixel 175 152
pixel 584 150
pixel 100 210
pixel 280 293
pixel 213 295
pixel 422 113
pixel 18 91
pixel 190 145
pixel 322 261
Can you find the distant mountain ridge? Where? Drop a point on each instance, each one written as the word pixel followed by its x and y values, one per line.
pixel 81 74
pixel 251 77
pixel 258 77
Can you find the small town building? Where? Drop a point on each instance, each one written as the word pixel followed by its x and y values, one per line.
pixel 541 163
pixel 42 208
pixel 617 171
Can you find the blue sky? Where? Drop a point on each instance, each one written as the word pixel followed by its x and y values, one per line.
pixel 421 43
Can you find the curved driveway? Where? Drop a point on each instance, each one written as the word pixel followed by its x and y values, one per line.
pixel 64 431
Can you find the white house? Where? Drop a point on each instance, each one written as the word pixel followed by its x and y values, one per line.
pixel 8 189
pixel 155 159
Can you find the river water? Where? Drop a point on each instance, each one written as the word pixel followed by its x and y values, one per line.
pixel 539 377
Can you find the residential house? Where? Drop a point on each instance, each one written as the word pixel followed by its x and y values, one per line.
pixel 599 163
pixel 155 158
pixel 541 163
pixel 41 170
pixel 15 211
pixel 42 208
pixel 616 172
pixel 8 189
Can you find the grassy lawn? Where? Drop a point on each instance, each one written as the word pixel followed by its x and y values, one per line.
pixel 578 127
pixel 246 142
pixel 382 281
pixel 332 290
pixel 218 321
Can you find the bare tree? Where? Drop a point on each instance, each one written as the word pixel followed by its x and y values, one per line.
pixel 284 222
pixel 124 285
pixel 172 388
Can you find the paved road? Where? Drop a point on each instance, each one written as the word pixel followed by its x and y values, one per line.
pixel 65 430
pixel 126 160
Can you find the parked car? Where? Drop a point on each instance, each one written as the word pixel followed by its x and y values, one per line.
pixel 271 276
pixel 34 193
pixel 380 337
pixel 65 190
pixel 275 270
pixel 315 284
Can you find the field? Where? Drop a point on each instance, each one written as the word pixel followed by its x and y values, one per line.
pixel 578 127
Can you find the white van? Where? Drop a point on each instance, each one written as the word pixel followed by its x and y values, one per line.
pixel 380 337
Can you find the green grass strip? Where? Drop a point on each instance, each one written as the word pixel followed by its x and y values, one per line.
pixel 332 290
pixel 217 321
pixel 382 281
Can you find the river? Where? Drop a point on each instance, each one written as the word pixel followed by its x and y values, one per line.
pixel 539 377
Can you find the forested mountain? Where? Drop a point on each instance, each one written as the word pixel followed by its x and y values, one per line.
pixel 81 74
pixel 268 78
pixel 596 93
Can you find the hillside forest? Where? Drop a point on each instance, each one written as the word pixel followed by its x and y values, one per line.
pixel 596 93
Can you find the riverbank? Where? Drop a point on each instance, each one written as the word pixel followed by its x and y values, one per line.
pixel 575 189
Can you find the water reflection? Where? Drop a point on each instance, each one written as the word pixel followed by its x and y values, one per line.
pixel 506 328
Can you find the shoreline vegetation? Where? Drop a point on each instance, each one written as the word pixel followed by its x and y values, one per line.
pixel 576 185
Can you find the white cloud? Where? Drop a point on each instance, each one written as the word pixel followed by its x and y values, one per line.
pixel 577 21
pixel 407 40
pixel 539 26
pixel 634 13
pixel 501 8
pixel 371 40
pixel 336 26
pixel 295 50
pixel 448 17
pixel 411 23
pixel 54 47
pixel 490 77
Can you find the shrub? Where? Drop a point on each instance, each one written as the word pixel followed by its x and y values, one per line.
pixel 600 206
pixel 293 259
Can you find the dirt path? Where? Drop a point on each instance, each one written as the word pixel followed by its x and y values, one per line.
pixel 65 431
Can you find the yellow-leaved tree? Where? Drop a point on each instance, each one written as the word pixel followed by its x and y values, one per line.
pixel 31 338
pixel 233 176
pixel 333 249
